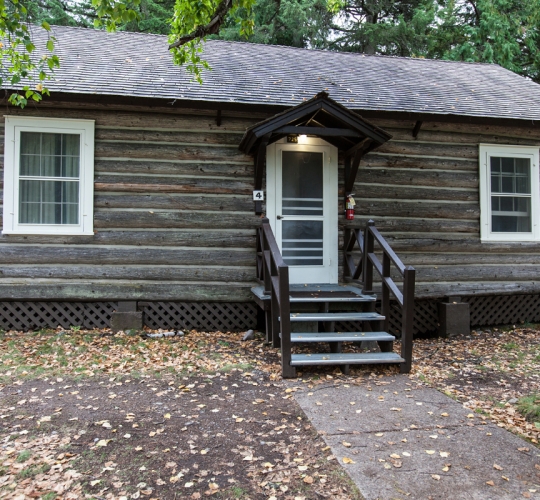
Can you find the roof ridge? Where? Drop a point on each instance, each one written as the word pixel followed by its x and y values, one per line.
pixel 288 47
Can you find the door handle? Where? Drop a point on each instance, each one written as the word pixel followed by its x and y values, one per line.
pixel 279 217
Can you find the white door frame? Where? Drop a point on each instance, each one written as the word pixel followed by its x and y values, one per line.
pixel 328 272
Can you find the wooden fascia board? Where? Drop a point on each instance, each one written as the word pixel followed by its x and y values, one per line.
pixel 319 131
pixel 356 122
pixel 63 98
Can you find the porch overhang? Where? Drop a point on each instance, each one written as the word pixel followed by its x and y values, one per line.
pixel 320 117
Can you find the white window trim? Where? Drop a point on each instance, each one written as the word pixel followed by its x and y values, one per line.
pixel 14 125
pixel 488 150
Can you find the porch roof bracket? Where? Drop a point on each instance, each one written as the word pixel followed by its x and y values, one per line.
pixel 259 162
pixel 352 162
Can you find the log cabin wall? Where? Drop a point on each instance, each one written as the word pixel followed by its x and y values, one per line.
pixel 174 216
pixel 423 194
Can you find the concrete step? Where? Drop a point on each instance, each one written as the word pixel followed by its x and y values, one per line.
pixel 341 337
pixel 367 358
pixel 338 316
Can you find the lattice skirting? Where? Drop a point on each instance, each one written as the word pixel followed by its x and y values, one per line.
pixel 36 315
pixel 504 309
pixel 211 316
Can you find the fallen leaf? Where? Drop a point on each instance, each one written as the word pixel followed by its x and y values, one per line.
pixel 348 461
pixel 436 477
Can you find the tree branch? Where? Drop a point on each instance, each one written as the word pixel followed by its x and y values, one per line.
pixel 209 29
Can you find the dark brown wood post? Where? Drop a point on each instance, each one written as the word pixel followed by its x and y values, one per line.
pixel 287 371
pixel 367 285
pixel 385 302
pixel 407 319
pixel 346 255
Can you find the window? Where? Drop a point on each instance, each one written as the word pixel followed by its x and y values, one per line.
pixel 48 176
pixel 509 193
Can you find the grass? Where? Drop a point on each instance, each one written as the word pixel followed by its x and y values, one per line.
pixel 23 456
pixel 234 492
pixel 33 470
pixel 529 407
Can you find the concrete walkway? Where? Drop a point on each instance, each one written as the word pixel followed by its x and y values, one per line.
pixel 412 442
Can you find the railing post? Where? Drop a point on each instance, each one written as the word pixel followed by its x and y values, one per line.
pixel 385 302
pixel 287 371
pixel 367 285
pixel 407 320
pixel 346 252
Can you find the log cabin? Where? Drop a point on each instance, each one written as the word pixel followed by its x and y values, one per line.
pixel 361 196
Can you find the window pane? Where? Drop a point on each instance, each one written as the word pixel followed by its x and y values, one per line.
pixel 302 187
pixel 51 166
pixel 510 175
pixel 71 144
pixel 50 155
pixel 48 202
pixel 511 214
pixel 30 165
pixel 30 143
pixel 70 166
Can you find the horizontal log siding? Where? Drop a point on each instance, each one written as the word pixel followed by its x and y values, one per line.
pixel 423 195
pixel 173 216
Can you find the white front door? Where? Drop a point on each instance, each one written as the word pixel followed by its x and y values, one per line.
pixel 302 190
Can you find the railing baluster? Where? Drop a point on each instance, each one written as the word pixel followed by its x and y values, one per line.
pixel 367 287
pixel 407 321
pixel 364 271
pixel 287 370
pixel 276 284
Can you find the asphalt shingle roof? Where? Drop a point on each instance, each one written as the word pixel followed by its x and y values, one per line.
pixel 135 64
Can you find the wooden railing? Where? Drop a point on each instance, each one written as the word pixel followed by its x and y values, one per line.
pixel 274 274
pixel 363 272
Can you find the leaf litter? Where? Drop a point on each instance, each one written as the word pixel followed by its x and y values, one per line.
pixel 89 414
pixel 488 371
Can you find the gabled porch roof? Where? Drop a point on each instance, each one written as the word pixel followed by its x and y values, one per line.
pixel 322 117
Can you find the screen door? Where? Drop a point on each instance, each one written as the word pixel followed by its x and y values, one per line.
pixel 306 213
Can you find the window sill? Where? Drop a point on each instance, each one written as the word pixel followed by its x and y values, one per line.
pixel 48 233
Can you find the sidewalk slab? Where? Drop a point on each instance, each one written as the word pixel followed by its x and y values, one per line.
pixel 409 441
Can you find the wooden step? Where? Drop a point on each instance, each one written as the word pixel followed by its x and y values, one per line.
pixel 342 337
pixel 364 358
pixel 337 316
pixel 320 294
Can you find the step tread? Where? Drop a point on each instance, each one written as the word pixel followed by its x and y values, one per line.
pixel 364 358
pixel 340 336
pixel 337 316
pixel 320 293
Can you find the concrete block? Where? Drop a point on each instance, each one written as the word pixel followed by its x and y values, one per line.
pixel 454 319
pixel 132 320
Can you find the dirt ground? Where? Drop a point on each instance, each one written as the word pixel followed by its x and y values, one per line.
pixel 94 415
pixel 91 415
